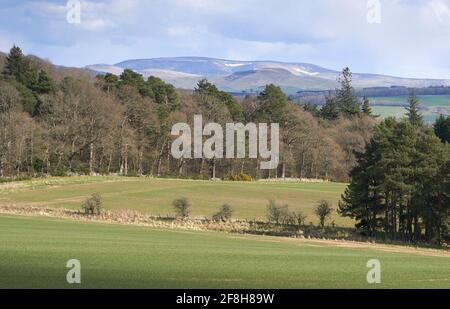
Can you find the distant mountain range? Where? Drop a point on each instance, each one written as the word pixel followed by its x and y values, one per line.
pixel 251 76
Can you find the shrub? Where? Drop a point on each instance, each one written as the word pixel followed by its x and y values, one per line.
pixel 38 165
pixel 277 213
pixel 299 217
pixel 82 168
pixel 93 205
pixel 59 171
pixel 12 179
pixel 241 177
pixel 323 211
pixel 182 207
pixel 224 213
pixel 288 218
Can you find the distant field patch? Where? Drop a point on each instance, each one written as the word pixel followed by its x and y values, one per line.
pixel 431 106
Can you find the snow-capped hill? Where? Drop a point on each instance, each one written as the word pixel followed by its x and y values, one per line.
pixel 105 68
pixel 237 76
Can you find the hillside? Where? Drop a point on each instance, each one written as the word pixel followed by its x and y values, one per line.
pixel 248 76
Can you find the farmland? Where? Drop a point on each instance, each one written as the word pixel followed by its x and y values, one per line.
pixel 431 106
pixel 154 196
pixel 34 252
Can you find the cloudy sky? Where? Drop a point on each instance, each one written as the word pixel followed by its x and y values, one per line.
pixel 412 39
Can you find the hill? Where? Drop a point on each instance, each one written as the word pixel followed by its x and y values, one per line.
pixel 250 76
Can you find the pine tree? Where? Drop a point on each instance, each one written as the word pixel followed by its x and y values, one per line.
pixel 442 128
pixel 204 87
pixel 272 103
pixel 45 83
pixel 366 109
pixel 413 114
pixel 360 201
pixel 330 110
pixel 14 62
pixel 347 101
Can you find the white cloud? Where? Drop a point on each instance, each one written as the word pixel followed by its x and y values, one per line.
pixel 412 39
pixel 441 10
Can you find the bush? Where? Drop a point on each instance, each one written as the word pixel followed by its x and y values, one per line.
pixel 182 207
pixel 241 177
pixel 224 213
pixel 280 214
pixel 299 217
pixel 277 213
pixel 38 165
pixel 323 211
pixel 288 218
pixel 11 179
pixel 59 171
pixel 81 168
pixel 93 205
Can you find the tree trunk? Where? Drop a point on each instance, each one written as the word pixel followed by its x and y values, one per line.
pixel 180 167
pixel 140 156
pixel 91 159
pixel 159 166
pixel 126 160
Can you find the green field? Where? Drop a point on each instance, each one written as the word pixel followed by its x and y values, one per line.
pixel 154 196
pixel 432 106
pixel 34 253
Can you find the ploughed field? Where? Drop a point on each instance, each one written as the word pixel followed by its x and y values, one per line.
pixel 154 196
pixel 34 252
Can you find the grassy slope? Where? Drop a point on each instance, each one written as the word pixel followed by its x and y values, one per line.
pixel 434 105
pixel 155 196
pixel 34 252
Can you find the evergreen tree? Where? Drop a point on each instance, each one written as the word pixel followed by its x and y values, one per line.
pixel 133 79
pixel 204 87
pixel 45 83
pixel 14 62
pixel 366 109
pixel 272 103
pixel 362 200
pixel 311 108
pixel 28 78
pixel 442 128
pixel 347 101
pixel 398 186
pixel 163 93
pixel 330 110
pixel 413 114
pixel 108 82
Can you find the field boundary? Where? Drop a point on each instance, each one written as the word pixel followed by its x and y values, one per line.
pixel 135 218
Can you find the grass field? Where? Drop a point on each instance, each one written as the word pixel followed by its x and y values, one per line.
pixel 34 253
pixel 154 196
pixel 432 106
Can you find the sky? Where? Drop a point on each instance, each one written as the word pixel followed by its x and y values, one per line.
pixel 409 38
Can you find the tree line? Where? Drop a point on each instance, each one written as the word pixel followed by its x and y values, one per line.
pixel 400 187
pixel 57 121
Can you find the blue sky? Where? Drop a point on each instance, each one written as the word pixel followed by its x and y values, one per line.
pixel 412 39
